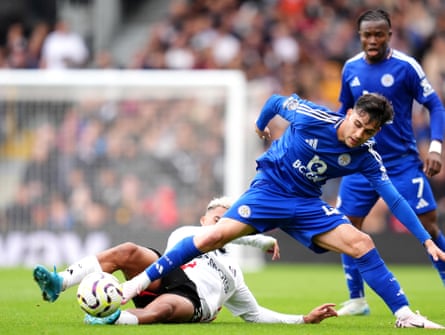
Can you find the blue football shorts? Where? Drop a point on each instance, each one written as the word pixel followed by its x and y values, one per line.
pixel 264 206
pixel 356 196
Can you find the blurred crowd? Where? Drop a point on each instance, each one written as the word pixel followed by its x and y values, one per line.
pixel 299 44
pixel 146 163
pixel 293 45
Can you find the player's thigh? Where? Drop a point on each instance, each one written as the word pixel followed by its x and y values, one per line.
pixel 128 257
pixel 346 239
pixel 167 308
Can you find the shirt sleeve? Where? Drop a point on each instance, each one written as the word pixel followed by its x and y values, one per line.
pixel 269 110
pixel 284 106
pixel 424 94
pixel 243 304
pixel 437 117
pixel 260 241
pixel 403 211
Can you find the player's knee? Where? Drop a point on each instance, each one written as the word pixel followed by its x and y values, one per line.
pixel 163 314
pixel 362 245
pixel 125 251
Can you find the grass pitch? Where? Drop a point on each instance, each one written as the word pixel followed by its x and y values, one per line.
pixel 288 288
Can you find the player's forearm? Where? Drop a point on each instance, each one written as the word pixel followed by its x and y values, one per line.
pixel 264 315
pixel 258 241
pixel 405 214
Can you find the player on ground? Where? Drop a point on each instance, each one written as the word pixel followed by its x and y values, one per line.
pixel 194 293
pixel 286 193
pixel 380 69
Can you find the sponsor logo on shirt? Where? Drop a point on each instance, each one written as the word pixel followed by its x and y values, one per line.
pixel 313 142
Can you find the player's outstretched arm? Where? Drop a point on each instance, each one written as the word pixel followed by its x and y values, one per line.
pixel 268 244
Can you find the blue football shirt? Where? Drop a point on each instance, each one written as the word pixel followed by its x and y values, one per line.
pixel 400 79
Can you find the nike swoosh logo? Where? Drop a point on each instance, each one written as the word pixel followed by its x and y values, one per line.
pixel 417 325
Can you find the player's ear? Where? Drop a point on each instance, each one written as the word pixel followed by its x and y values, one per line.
pixel 202 220
pixel 349 113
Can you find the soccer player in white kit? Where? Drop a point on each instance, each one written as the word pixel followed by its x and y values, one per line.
pixel 194 293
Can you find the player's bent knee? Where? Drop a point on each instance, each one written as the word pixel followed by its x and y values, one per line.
pixel 123 252
pixel 362 245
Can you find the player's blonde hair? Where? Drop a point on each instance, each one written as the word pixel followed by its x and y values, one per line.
pixel 224 202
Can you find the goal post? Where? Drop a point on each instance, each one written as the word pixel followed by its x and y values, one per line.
pixel 199 118
pixel 116 84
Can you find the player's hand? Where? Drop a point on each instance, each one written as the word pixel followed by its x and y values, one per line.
pixel 274 250
pixel 320 313
pixel 432 164
pixel 263 134
pixel 434 250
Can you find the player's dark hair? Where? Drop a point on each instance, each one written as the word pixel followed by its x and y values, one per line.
pixel 374 15
pixel 377 106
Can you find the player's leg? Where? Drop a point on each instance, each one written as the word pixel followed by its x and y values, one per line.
pixel 415 188
pixel 167 308
pixel 429 221
pixel 128 257
pixel 356 198
pixel 176 299
pixel 347 239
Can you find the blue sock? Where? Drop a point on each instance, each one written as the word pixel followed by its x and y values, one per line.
pixel 354 279
pixel 440 265
pixel 184 251
pixel 381 280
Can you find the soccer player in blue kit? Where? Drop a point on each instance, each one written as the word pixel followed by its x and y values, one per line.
pixel 398 77
pixel 286 193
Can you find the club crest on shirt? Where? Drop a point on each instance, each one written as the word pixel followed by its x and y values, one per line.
pixel 387 80
pixel 244 211
pixel 344 159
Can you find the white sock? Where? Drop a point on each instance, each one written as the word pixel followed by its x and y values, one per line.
pixel 77 271
pixel 126 318
pixel 403 312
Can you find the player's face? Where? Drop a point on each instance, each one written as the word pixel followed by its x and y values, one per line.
pixel 356 129
pixel 374 37
pixel 212 216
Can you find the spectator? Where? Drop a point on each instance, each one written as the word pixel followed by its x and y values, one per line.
pixel 64 49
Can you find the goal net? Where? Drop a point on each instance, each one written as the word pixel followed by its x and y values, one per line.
pixel 93 158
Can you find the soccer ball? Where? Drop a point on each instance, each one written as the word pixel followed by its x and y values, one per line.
pixel 99 294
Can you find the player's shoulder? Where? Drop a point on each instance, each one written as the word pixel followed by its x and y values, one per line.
pixel 356 57
pixel 409 61
pixel 400 55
